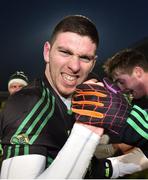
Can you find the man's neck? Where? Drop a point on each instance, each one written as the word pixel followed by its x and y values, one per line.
pixel 67 101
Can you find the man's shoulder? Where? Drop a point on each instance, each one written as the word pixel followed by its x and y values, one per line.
pixel 36 87
pixel 27 95
pixel 33 86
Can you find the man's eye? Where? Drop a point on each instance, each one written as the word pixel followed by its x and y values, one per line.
pixel 64 52
pixel 85 59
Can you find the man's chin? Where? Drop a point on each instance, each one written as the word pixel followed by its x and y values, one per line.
pixel 66 93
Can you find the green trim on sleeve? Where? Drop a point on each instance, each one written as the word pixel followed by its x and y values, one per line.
pixel 137 128
pixel 141 110
pixel 140 119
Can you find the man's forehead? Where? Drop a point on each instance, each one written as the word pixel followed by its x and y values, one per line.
pixel 74 41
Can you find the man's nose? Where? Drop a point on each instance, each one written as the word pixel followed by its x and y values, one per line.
pixel 74 64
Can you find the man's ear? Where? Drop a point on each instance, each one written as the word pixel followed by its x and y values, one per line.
pixel 138 71
pixel 46 51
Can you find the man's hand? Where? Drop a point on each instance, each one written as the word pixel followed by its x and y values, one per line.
pixel 95 105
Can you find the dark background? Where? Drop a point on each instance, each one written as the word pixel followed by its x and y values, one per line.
pixel 26 24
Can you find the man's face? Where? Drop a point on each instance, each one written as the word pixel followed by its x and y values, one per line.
pixel 130 83
pixel 68 61
pixel 14 87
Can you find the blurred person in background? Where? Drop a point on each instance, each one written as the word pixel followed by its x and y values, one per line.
pixel 128 69
pixel 17 81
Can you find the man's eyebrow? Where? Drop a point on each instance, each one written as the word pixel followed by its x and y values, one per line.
pixel 61 48
pixel 90 57
pixel 80 55
pixel 65 49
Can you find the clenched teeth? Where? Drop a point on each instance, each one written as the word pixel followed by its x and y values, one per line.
pixel 69 78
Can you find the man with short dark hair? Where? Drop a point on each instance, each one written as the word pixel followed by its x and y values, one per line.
pixel 129 69
pixel 37 121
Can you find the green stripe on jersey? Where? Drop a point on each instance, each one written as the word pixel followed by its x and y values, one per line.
pixel 140 119
pixel 137 128
pixel 17 150
pixel 26 149
pixel 35 108
pixel 9 152
pixel 34 137
pixel 142 111
pixel 36 120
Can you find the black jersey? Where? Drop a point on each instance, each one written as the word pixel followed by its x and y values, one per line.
pixel 35 121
